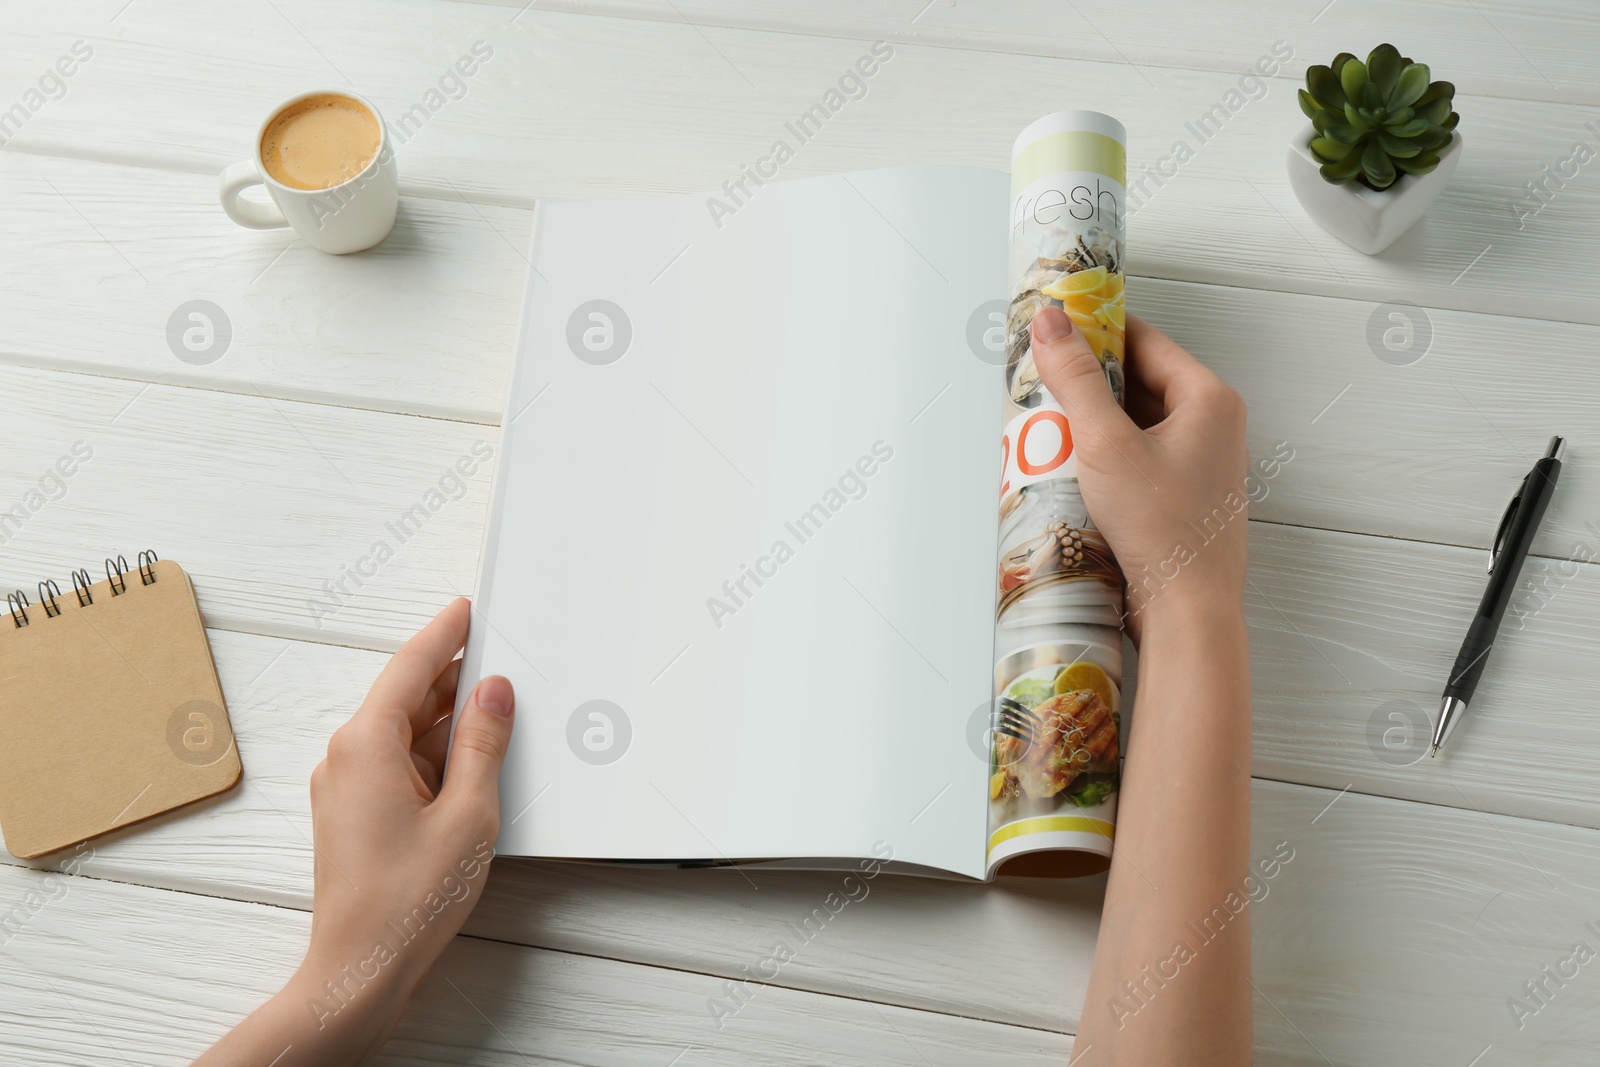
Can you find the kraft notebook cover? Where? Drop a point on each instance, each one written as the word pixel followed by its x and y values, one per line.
pixel 110 707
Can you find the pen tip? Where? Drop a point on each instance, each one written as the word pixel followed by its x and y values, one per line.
pixel 1434 751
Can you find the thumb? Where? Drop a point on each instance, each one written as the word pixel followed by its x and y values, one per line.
pixel 1074 376
pixel 483 732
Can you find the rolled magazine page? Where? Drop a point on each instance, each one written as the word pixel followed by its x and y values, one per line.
pixel 1056 729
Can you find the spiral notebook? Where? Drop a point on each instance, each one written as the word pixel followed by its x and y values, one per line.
pixel 110 707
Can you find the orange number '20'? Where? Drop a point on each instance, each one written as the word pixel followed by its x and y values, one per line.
pixel 1023 465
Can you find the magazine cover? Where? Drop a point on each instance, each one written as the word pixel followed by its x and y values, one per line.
pixel 1058 638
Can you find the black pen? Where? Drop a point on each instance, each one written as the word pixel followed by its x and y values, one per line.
pixel 1511 542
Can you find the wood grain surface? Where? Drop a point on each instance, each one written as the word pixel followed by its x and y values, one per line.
pixel 1412 390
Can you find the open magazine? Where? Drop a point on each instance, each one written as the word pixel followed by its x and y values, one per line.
pixel 786 557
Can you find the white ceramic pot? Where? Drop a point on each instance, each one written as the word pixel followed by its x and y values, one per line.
pixel 1368 220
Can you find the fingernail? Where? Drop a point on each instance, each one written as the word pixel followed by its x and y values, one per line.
pixel 1051 325
pixel 494 696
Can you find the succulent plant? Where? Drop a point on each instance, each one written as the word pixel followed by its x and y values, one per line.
pixel 1377 120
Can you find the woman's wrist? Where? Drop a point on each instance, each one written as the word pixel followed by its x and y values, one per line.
pixel 345 1009
pixel 1190 607
pixel 305 1024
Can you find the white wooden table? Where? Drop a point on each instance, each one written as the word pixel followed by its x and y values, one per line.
pixel 1421 896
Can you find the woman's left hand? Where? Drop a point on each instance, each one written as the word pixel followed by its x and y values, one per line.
pixel 402 853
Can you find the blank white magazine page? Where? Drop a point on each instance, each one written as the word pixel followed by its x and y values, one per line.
pixel 740 557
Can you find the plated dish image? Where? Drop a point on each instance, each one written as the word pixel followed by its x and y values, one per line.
pixel 1046 538
pixel 1056 729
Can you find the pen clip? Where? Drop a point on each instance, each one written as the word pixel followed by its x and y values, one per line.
pixel 1505 521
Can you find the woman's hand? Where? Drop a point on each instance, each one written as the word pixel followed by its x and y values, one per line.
pixel 402 853
pixel 1165 480
pixel 1165 483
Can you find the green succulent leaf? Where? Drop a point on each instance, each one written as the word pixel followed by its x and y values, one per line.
pixel 1434 111
pixel 1325 87
pixel 1353 80
pixel 1399 118
pixel 1323 119
pixel 1370 97
pixel 1343 171
pixel 1383 68
pixel 1419 164
pixel 1340 60
pixel 1436 91
pixel 1450 123
pixel 1413 82
pixel 1399 147
pixel 1412 128
pixel 1327 150
pixel 1375 164
pixel 1434 137
pixel 1353 115
pixel 1345 133
pixel 1308 104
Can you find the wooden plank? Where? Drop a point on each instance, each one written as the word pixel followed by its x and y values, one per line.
pixel 1395 932
pixel 542 117
pixel 106 258
pixel 1351 640
pixel 301 520
pixel 1530 51
pixel 98 969
pixel 1400 933
pixel 1455 409
pixel 1426 442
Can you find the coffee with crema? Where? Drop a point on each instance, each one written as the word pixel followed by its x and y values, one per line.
pixel 320 142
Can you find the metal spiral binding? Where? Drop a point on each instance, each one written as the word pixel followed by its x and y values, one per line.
pixel 48 591
pixel 17 602
pixel 119 584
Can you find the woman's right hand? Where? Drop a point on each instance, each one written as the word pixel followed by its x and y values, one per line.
pixel 1165 479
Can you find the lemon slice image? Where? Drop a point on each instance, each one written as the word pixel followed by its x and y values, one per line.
pixel 1083 281
pixel 1112 315
pixel 1101 340
pixel 1090 676
pixel 1081 318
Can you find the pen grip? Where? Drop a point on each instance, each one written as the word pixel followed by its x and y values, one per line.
pixel 1472 657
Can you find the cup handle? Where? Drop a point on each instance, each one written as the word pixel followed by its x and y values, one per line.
pixel 251 213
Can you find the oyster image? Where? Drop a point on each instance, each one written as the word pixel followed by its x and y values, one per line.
pixel 1103 248
pixel 1115 378
pixel 1063 251
pixel 1022 377
pixel 1082 275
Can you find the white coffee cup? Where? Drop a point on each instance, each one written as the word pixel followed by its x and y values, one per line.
pixel 348 217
